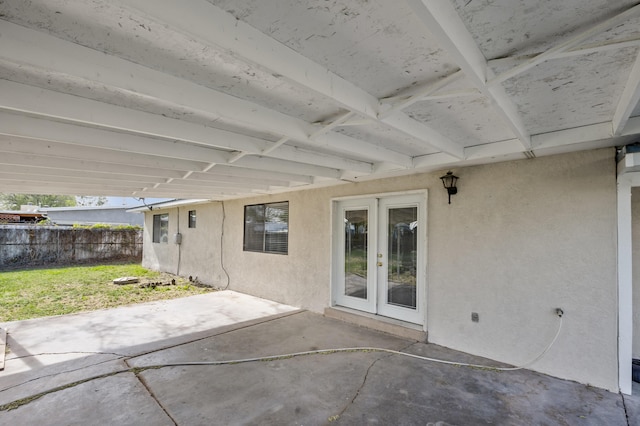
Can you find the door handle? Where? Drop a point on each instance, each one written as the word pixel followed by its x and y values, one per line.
pixel 379 263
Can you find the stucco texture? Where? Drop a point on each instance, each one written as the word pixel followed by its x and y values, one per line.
pixel 198 255
pixel 518 240
pixel 524 238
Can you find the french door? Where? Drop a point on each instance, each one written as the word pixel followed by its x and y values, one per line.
pixel 379 256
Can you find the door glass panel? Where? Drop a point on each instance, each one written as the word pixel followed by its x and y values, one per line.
pixel 401 261
pixel 356 224
pixel 379 254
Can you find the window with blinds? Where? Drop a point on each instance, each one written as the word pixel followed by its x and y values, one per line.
pixel 161 228
pixel 266 227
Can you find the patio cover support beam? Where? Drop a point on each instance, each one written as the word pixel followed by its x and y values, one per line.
pixel 55 61
pixel 561 48
pixel 628 100
pixel 215 26
pixel 241 172
pixel 196 186
pixel 45 103
pixel 301 155
pixel 417 94
pixel 326 127
pixel 44 179
pixel 625 283
pixel 198 177
pixel 77 189
pixel 79 167
pixel 43 129
pixel 52 131
pixel 430 90
pixel 27 172
pixel 52 149
pixel 72 109
pixel 441 20
pixel 273 164
pixel 212 195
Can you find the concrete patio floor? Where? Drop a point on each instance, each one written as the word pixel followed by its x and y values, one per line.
pixel 90 369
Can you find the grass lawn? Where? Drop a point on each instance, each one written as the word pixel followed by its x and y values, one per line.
pixel 45 292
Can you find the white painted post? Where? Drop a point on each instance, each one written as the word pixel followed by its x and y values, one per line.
pixel 625 285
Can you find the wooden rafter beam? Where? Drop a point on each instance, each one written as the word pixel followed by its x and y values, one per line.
pixel 29 187
pixel 441 20
pixel 417 94
pixel 241 172
pixel 565 46
pixel 212 25
pixel 432 90
pixel 78 167
pixel 55 150
pixel 55 131
pixel 25 50
pixel 35 101
pixel 274 164
pixel 41 103
pixel 628 100
pixel 27 170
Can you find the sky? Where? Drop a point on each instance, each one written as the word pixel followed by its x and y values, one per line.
pixel 131 202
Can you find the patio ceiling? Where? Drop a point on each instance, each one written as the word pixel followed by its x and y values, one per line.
pixel 225 98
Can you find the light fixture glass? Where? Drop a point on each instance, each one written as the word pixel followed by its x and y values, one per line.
pixel 449 181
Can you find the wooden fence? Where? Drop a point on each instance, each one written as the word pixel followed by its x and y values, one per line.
pixel 23 246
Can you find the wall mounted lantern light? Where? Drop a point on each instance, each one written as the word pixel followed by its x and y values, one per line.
pixel 449 181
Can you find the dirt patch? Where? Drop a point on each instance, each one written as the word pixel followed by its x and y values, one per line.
pixel 163 279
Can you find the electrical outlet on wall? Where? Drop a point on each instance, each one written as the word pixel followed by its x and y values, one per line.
pixel 475 317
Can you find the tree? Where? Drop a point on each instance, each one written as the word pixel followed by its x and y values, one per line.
pixel 14 201
pixel 88 201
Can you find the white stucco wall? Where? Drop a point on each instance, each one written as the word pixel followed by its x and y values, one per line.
pixel 526 237
pixel 201 246
pixel 519 239
pixel 159 256
pixel 199 253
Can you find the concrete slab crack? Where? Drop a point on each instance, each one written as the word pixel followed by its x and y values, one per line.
pixel 59 373
pixel 67 353
pixel 143 382
pixel 364 381
pixel 624 405
pixel 24 401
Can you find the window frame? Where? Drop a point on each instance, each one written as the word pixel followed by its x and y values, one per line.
pixel 160 231
pixel 260 240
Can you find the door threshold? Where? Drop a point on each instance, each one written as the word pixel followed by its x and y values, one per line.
pixel 377 322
